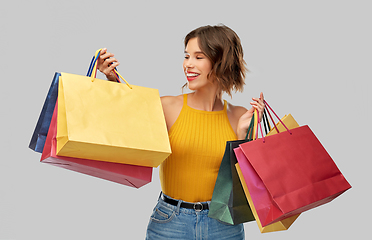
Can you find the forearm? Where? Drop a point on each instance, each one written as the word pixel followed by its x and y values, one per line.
pixel 241 131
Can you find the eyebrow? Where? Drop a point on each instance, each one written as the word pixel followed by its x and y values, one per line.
pixel 199 52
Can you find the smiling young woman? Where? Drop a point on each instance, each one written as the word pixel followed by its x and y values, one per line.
pixel 199 124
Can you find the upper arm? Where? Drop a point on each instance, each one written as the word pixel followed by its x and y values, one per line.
pixel 234 113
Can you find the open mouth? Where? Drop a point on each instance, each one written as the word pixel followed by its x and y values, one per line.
pixel 191 76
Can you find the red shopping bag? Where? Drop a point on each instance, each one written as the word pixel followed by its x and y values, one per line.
pixel 130 175
pixel 289 173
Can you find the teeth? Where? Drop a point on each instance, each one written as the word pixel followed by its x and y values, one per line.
pixel 192 74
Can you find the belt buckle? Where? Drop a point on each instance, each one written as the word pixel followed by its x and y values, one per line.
pixel 197 208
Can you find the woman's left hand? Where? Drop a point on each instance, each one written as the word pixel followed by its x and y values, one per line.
pixel 245 119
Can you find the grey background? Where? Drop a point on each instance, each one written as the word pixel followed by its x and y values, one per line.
pixel 310 58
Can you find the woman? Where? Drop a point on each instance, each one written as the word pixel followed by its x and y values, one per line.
pixel 199 124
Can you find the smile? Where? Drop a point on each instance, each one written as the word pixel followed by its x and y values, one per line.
pixel 191 76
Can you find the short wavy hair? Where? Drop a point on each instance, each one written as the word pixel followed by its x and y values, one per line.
pixel 223 48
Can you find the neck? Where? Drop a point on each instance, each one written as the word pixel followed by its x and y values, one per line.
pixel 206 100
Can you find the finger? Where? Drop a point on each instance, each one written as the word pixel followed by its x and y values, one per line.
pixel 256 105
pixel 105 56
pixel 109 61
pixel 103 51
pixel 113 66
pixel 106 64
pixel 109 69
pixel 259 107
pixel 258 100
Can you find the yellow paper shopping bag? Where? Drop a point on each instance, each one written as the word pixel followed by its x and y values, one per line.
pixel 108 121
pixel 289 121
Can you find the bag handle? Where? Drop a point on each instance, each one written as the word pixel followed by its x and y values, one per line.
pixel 93 65
pixel 258 121
pixel 253 123
pixel 93 68
pixel 266 122
pixel 250 130
pixel 252 126
pixel 267 106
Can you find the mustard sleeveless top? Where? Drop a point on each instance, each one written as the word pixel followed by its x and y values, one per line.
pixel 198 140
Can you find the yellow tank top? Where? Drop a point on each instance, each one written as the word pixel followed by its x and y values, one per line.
pixel 198 140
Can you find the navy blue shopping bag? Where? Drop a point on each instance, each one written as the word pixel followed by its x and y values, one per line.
pixel 41 130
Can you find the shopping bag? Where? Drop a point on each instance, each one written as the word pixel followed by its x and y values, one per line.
pixel 289 122
pixel 260 188
pixel 277 226
pixel 130 175
pixel 294 169
pixel 41 130
pixel 108 121
pixel 229 203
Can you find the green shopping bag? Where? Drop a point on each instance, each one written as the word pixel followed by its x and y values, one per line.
pixel 229 203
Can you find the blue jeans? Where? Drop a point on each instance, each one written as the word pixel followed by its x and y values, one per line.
pixel 173 222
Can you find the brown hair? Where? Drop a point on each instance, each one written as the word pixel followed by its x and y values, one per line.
pixel 223 48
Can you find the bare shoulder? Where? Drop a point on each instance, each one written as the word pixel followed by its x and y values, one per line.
pixel 172 106
pixel 169 101
pixel 235 111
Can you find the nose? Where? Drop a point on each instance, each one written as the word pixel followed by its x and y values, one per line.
pixel 187 64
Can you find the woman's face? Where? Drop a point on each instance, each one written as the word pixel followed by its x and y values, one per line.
pixel 196 66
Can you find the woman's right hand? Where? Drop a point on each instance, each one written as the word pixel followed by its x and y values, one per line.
pixel 107 63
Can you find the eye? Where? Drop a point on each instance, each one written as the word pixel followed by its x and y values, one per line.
pixel 200 56
pixel 187 56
